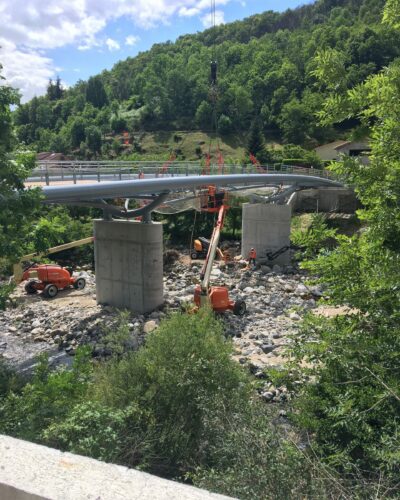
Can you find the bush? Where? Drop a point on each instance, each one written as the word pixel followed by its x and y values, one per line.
pixel 316 238
pixel 108 434
pixel 181 376
pixel 47 398
pixel 352 406
pixel 5 291
pixel 9 380
pixel 250 459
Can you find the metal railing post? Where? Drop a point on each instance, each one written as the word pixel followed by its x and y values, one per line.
pixel 74 174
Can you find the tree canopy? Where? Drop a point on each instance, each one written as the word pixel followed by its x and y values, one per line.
pixel 353 405
pixel 267 72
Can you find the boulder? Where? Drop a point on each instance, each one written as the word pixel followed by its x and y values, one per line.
pixel 149 326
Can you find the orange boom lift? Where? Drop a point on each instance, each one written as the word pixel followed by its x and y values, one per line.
pixel 216 296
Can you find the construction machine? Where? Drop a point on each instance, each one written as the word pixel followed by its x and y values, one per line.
pixel 200 249
pixel 49 277
pixel 216 296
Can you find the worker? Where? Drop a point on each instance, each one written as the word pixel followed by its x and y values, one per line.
pixel 252 257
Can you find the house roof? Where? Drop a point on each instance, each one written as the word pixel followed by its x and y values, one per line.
pixel 362 144
pixel 331 145
pixel 337 145
pixel 46 156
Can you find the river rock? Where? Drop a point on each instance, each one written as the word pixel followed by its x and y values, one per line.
pixel 149 326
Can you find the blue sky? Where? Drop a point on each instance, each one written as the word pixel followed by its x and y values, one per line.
pixel 79 38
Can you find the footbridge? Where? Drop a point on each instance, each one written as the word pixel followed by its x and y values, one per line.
pixel 129 253
pixel 56 172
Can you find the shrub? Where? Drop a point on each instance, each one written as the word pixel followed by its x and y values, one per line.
pixel 315 238
pixel 181 376
pixel 9 380
pixel 47 398
pixel 109 434
pixel 250 459
pixel 5 291
pixel 352 407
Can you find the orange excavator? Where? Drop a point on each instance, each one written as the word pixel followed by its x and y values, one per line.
pixel 216 296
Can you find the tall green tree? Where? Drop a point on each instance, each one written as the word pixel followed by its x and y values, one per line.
pixel 17 205
pixel 93 139
pixel 353 405
pixel 255 143
pixel 95 92
pixel 77 131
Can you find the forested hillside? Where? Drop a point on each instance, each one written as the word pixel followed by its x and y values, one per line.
pixel 265 74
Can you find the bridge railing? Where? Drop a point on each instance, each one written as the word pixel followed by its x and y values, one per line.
pixel 73 171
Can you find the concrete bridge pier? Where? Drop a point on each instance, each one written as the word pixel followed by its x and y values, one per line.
pixel 266 227
pixel 129 264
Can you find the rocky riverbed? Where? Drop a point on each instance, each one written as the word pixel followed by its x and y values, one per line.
pixel 276 299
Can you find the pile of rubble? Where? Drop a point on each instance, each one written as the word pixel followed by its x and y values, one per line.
pixel 276 299
pixel 32 325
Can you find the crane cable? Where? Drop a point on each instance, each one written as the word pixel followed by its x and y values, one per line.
pixel 213 93
pixel 213 24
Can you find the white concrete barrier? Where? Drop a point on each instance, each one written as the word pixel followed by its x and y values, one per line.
pixel 32 472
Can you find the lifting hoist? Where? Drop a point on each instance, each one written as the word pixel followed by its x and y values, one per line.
pixel 205 294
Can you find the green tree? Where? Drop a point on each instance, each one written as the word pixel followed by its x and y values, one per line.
pixel 95 92
pixel 77 131
pixel 353 404
pixel 93 139
pixel 295 121
pixel 182 376
pixel 255 142
pixel 118 124
pixel 391 14
pixel 59 91
pixel 203 115
pixel 224 124
pixel 17 204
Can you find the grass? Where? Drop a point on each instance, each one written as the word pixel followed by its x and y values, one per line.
pixel 191 145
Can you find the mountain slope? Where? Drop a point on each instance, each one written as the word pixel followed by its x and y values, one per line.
pixel 264 66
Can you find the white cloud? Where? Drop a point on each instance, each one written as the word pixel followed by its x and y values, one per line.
pixel 112 44
pixel 29 28
pixel 186 12
pixel 131 40
pixel 25 69
pixel 219 19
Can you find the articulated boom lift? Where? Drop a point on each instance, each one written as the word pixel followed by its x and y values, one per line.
pixel 216 296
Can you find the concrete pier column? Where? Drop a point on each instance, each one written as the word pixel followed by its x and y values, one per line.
pixel 129 264
pixel 266 228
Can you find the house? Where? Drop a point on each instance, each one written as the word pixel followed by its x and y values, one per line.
pixel 334 150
